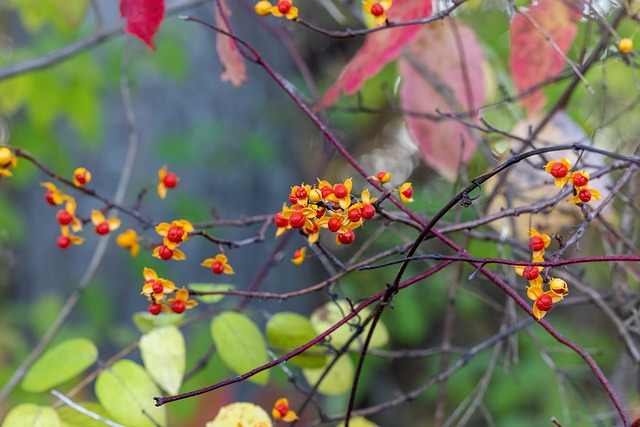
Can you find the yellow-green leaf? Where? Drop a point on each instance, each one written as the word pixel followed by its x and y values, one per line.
pixel 287 331
pixel 59 364
pixel 240 344
pixel 339 379
pixel 31 415
pixel 240 413
pixel 126 391
pixel 163 353
pixel 72 418
pixel 332 312
pixel 210 287
pixel 359 422
pixel 146 321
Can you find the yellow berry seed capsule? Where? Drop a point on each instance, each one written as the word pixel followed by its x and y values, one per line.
pixel 625 45
pixel 263 8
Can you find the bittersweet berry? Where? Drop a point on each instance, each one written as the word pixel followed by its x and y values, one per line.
pixel 49 198
pixel 157 287
pixel 280 221
pixel 355 215
pixel 346 238
pixel 178 306
pixel 585 195
pixel 558 170
pixel 81 177
pixel 408 192
pixel 63 242
pixel 102 228
pixel 579 180
pixel 217 267
pixel 531 272
pixel 334 224
pixel 326 191
pixel 297 220
pixel 377 10
pixel 340 191
pixel 320 212
pixel 544 302
pixel 175 234
pixel 165 252
pixel 625 45
pixel 64 217
pixel 155 309
pixel 170 180
pixel 368 211
pixel 301 193
pixel 284 7
pixel 536 243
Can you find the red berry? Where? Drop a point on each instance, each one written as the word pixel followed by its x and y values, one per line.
pixel 320 212
pixel 315 228
pixel 544 302
pixel 155 309
pixel 165 252
pixel 346 238
pixel 326 191
pixel 293 199
pixel 63 242
pixel 284 6
pixel 558 170
pixel 380 174
pixel 178 306
pixel 175 234
pixel 157 287
pixel 64 217
pixel 170 180
pixel 297 220
pixel 217 267
pixel 340 191
pixel 282 409
pixel 536 243
pixel 377 10
pixel 408 192
pixel 280 221
pixel 301 193
pixel 368 211
pixel 81 177
pixel 580 180
pixel 49 198
pixel 585 195
pixel 334 224
pixel 355 215
pixel 531 272
pixel 102 228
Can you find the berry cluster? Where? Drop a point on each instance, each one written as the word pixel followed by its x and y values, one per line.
pixel 282 8
pixel 331 206
pixel 558 289
pixel 156 289
pixel 580 180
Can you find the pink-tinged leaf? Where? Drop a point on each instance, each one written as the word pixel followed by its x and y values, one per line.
pixel 442 73
pixel 234 68
pixel 379 48
pixel 534 59
pixel 143 18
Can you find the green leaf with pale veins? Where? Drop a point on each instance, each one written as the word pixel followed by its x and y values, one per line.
pixel 210 287
pixel 31 415
pixel 59 364
pixel 240 344
pixel 126 391
pixel 164 356
pixel 287 331
pixel 339 379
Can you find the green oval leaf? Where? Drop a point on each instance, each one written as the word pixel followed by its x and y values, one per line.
pixel 210 287
pixel 288 331
pixel 72 418
pixel 59 364
pixel 332 312
pixel 146 321
pixel 240 344
pixel 32 415
pixel 126 392
pixel 339 379
pixel 359 422
pixel 164 356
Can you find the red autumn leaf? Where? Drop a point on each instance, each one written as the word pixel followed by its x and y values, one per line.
pixel 143 18
pixel 533 58
pixel 433 76
pixel 234 68
pixel 379 48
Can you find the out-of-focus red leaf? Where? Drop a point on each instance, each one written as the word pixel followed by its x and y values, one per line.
pixel 533 59
pixel 234 68
pixel 143 18
pixel 433 77
pixel 379 48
